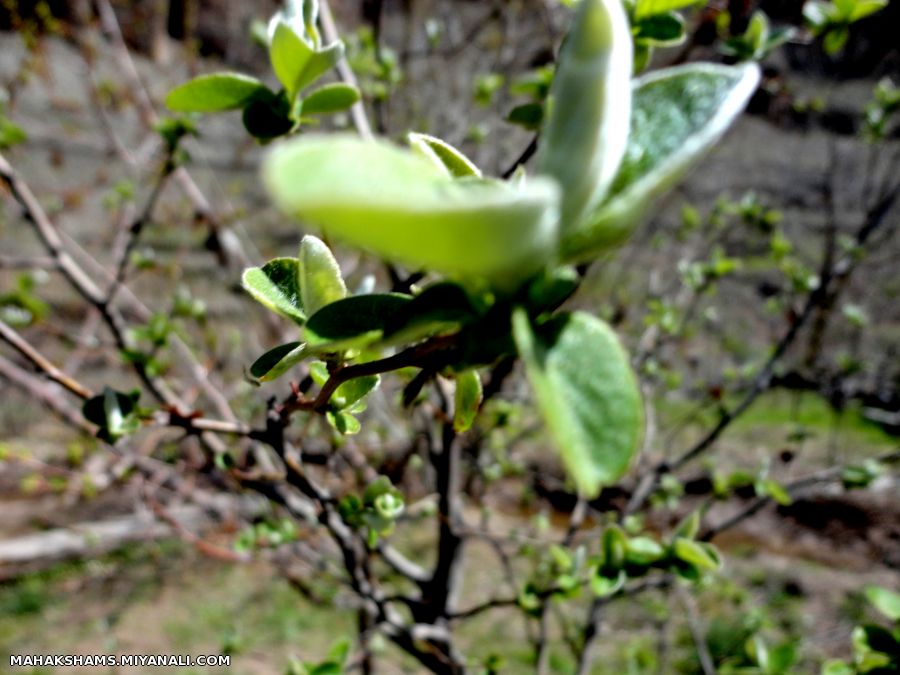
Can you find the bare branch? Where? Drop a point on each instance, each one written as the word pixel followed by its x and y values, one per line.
pixel 11 337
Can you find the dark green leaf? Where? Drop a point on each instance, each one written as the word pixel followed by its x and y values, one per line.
pixel 211 93
pixel 114 412
pixel 267 117
pixel 440 307
pixel 881 640
pixel 277 361
pixel 528 115
pixel 587 393
pixel 660 29
pixel 550 290
pixel 353 321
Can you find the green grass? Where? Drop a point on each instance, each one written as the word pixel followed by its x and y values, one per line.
pixel 162 598
pixel 775 419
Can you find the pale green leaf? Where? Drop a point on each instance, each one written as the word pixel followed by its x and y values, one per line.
pixel 678 114
pixel 400 206
pixel 587 392
pixel 321 62
pixel 586 126
pixel 647 8
pixel 276 286
pixel 643 551
pixel 443 155
pixel 351 392
pixel 467 400
pixel 330 98
pixel 290 55
pixel 694 553
pixel 343 422
pixel 885 601
pixel 863 8
pixel 320 281
pixel 215 92
pixel 603 586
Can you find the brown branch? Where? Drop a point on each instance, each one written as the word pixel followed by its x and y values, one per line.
pixel 228 243
pixel 11 337
pixel 358 109
pixel 46 392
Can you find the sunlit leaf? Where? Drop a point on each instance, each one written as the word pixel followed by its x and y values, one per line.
pixel 401 206
pixel 694 553
pixel 443 155
pixel 290 55
pixel 467 400
pixel 320 278
pixel 678 114
pixel 330 98
pixel 885 601
pixel 586 126
pixel 351 392
pixel 647 8
pixel 276 285
pixel 218 91
pixel 587 392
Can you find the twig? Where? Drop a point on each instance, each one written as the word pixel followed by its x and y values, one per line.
pixel 793 489
pixel 11 337
pixel 133 232
pixel 358 109
pixel 228 243
pixel 527 153
pixel 829 274
pixel 697 633
pixel 47 393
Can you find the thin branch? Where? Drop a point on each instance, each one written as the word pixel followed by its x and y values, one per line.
pixel 48 234
pixel 697 632
pixel 133 233
pixel 11 337
pixel 358 109
pixel 46 392
pixel 793 489
pixel 228 244
pixel 527 153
